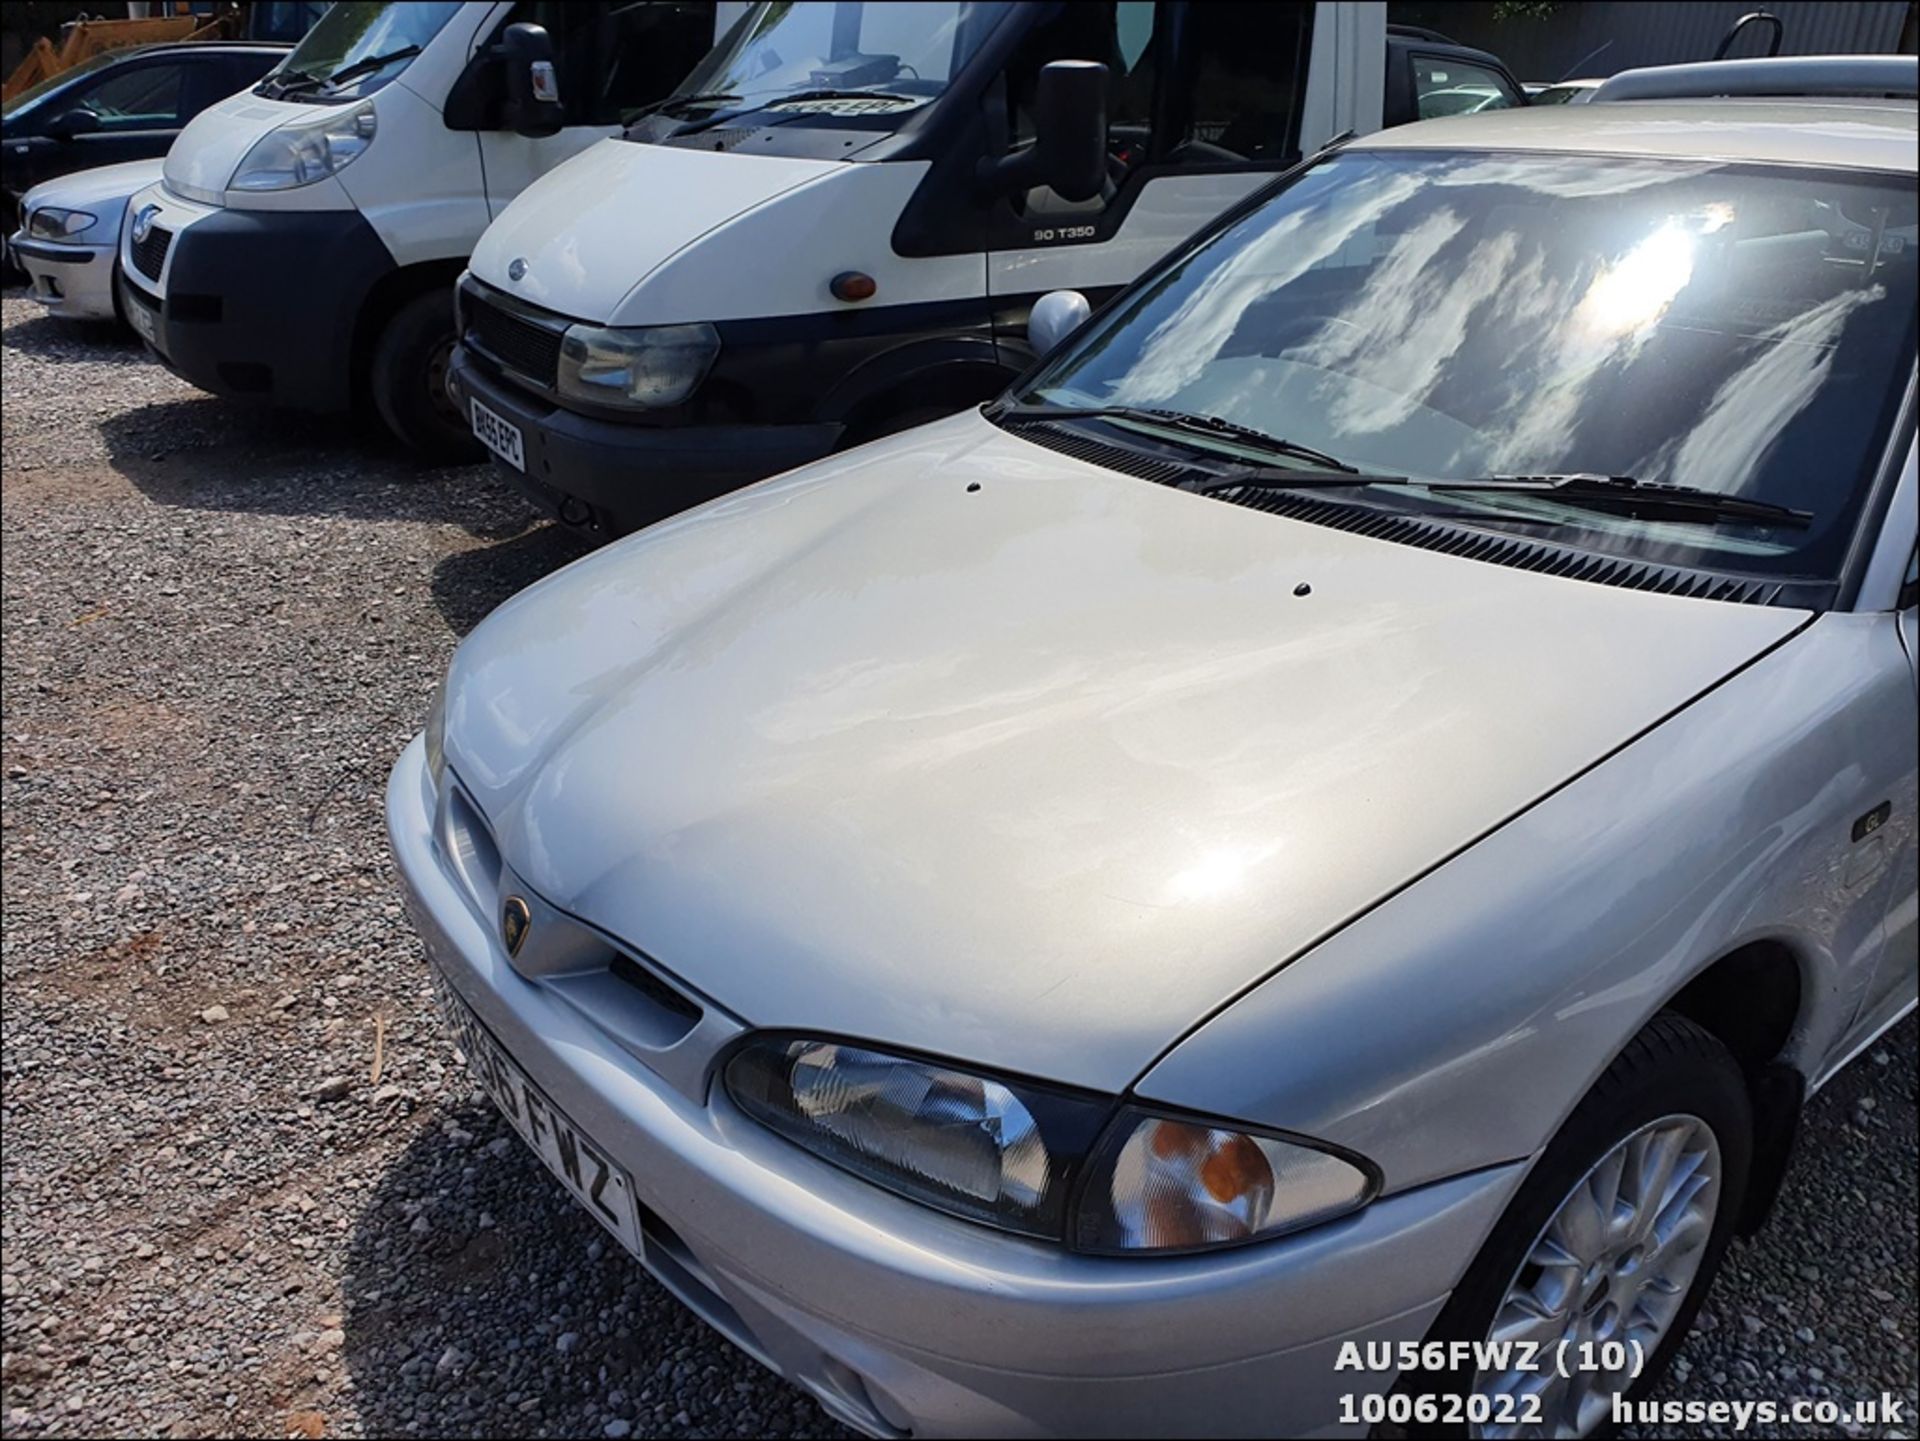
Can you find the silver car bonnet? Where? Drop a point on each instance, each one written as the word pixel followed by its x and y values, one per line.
pixel 1037 774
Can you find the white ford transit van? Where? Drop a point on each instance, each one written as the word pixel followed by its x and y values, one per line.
pixel 838 224
pixel 301 246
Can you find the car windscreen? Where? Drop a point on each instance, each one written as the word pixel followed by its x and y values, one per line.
pixel 1745 330
pixel 815 62
pixel 356 49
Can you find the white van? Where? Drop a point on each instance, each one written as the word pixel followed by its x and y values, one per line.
pixel 838 225
pixel 302 243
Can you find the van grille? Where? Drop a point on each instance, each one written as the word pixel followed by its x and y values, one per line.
pixel 150 255
pixel 520 345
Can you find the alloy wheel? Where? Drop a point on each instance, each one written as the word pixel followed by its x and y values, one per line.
pixel 1614 1263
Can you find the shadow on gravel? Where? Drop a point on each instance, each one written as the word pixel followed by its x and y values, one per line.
pixel 203 453
pixel 97 342
pixel 481 1301
pixel 470 583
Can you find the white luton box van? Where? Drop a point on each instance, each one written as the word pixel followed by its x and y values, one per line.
pixel 302 244
pixel 838 225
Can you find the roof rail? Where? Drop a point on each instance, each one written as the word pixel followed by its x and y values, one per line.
pixel 1880 76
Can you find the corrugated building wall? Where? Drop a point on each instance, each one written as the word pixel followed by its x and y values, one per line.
pixel 1601 37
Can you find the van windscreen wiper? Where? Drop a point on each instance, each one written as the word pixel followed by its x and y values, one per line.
pixel 1183 422
pixel 287 82
pixel 799 95
pixel 1647 499
pixel 370 64
pixel 702 97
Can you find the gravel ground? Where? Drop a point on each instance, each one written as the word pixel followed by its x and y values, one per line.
pixel 219 629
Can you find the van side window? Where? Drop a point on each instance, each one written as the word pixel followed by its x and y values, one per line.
pixel 1444 86
pixel 1121 37
pixel 1247 76
pixel 1187 84
pixel 612 59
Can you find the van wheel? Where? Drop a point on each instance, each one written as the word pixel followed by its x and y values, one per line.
pixel 409 379
pixel 1614 1237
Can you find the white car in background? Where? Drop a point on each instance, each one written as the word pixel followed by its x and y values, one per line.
pixel 70 233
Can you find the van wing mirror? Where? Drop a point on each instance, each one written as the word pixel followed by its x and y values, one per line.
pixel 77 121
pixel 1069 149
pixel 1054 317
pixel 533 86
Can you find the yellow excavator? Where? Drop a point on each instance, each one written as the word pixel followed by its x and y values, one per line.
pixel 162 20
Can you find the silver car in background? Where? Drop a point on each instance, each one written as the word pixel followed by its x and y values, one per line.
pixel 1351 808
pixel 69 237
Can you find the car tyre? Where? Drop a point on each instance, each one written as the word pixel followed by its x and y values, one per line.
pixel 409 383
pixel 1674 1084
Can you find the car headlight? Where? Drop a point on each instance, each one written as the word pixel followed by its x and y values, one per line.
pixel 436 734
pixel 991 1150
pixel 1058 1165
pixel 303 151
pixel 641 368
pixel 50 222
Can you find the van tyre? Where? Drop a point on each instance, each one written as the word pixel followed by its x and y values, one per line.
pixel 1616 1235
pixel 409 381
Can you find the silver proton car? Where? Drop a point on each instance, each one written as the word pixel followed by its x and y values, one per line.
pixel 1353 807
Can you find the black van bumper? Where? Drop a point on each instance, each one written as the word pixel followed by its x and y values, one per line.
pixel 605 478
pixel 263 304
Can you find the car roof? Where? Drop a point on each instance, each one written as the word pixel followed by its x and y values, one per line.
pixel 177 47
pixel 1839 133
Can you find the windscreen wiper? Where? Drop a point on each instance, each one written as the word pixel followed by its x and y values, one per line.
pixel 370 64
pixel 288 82
pixel 833 95
pixel 702 97
pixel 1647 499
pixel 1183 422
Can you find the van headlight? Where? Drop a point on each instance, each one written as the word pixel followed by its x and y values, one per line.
pixel 641 368
pixel 1044 1162
pixel 303 151
pixel 50 222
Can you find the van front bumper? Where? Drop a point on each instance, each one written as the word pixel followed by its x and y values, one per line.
pixel 259 305
pixel 900 1320
pixel 605 478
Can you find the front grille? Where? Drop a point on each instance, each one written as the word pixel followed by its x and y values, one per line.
pixel 150 255
pixel 518 344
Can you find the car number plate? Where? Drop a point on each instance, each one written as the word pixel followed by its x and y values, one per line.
pixel 140 317
pixel 584 1168
pixel 502 437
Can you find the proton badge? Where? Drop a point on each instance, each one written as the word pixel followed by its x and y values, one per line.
pixel 515 921
pixel 143 223
pixel 516 269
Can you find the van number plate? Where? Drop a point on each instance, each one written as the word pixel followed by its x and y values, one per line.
pixel 499 436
